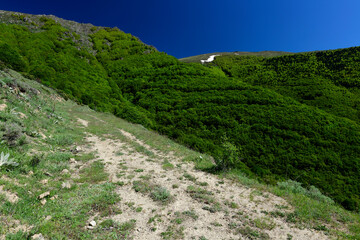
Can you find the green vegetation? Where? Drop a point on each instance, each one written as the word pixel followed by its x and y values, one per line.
pixel 40 161
pixel 157 193
pixel 93 174
pixel 46 121
pixel 289 117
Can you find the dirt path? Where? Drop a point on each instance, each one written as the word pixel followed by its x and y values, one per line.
pixel 202 206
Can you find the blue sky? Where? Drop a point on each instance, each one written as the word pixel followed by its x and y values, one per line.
pixel 191 27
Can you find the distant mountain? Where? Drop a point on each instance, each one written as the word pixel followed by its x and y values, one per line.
pixel 198 58
pixel 273 116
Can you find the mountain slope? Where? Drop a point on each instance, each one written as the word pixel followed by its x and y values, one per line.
pixel 248 125
pixel 76 166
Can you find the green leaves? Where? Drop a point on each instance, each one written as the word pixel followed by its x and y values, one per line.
pixel 11 57
pixel 6 161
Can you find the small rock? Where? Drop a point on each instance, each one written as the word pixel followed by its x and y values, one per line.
pixel 89 227
pixel 3 107
pixel 21 115
pixel 48 174
pixel 92 223
pixel 38 237
pixel 65 171
pixel 66 185
pixel 72 160
pixel 48 218
pixel 44 181
pixel 45 194
pixel 54 197
pixel 42 135
pixel 77 149
pixel 31 173
pixel 43 202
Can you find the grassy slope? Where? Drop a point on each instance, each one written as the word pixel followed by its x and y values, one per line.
pixel 47 132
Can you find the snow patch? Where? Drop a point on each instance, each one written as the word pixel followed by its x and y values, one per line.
pixel 210 59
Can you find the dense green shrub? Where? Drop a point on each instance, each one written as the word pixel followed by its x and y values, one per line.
pixel 11 57
pixel 312 192
pixel 13 133
pixel 229 158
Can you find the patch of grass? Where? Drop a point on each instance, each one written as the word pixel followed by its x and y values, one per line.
pixel 110 229
pixel 191 213
pixel 166 165
pixel 321 228
pixel 55 162
pixel 281 206
pixel 104 201
pixel 161 194
pixel 95 173
pixel 107 224
pixel 252 233
pixel 173 232
pixel 157 193
pixel 123 166
pixel 141 149
pixel 121 183
pixel 154 218
pixel 200 194
pixel 216 224
pixel 138 170
pixel 178 220
pixel 292 217
pixel 216 207
pixel 119 153
pixel 84 157
pixel 264 223
pixel 61 139
pixel 72 210
pixel 142 186
pixel 130 204
pixel 277 213
pixel 20 235
pixel 231 204
pixel 145 177
pixel 130 176
pixel 189 177
pixel 203 184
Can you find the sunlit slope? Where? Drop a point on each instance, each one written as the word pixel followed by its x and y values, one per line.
pixel 278 133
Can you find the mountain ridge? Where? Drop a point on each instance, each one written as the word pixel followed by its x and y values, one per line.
pixel 197 58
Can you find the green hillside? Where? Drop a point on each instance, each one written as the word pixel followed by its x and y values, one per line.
pixel 197 58
pixel 288 117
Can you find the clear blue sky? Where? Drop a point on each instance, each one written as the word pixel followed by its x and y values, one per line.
pixel 191 27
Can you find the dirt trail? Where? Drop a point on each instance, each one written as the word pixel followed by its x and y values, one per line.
pixel 223 210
